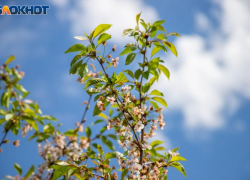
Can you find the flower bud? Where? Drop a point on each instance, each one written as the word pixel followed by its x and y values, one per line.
pixel 114 48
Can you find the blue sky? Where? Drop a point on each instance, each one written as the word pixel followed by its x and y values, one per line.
pixel 208 93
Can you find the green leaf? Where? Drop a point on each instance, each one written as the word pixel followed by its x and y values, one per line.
pixel 129 73
pixel 100 29
pixel 156 143
pixel 61 170
pixel 154 104
pixel 2 120
pixel 159 45
pixel 70 133
pixel 34 125
pixel 179 167
pixel 156 92
pixel 75 67
pixel 97 121
pixel 161 28
pixel 171 47
pixel 172 34
pixel 161 37
pixel 48 117
pixel 113 136
pixel 160 100
pixel 126 31
pixel 76 58
pixel 102 115
pixel 88 131
pixel 92 91
pixel 75 48
pixel 83 70
pixel 158 23
pixel 108 143
pixel 178 158
pixel 164 70
pixel 146 87
pixel 93 81
pixel 130 58
pixel 138 72
pixel 30 171
pixel 127 50
pixel 18 168
pixel 104 128
pixel 160 149
pixel 124 173
pixel 103 37
pixel 137 18
pixel 145 74
pixel 155 50
pixel 153 31
pixel 144 24
pixel 9 60
pixel 99 149
pixel 96 111
pixel 175 149
pixel 110 155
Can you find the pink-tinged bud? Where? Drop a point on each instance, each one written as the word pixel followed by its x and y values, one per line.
pixel 114 48
pixel 1 150
pixel 22 73
pixel 1 67
pixel 104 43
pixel 17 67
pixel 115 175
pixel 86 102
pixel 109 56
pixel 16 143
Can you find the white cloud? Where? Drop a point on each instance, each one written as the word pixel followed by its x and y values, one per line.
pixel 211 75
pixel 84 16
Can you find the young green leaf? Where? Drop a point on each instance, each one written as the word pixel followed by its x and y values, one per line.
pixel 129 73
pixel 126 31
pixel 127 50
pixel 93 81
pixel 103 37
pixel 75 67
pixel 155 50
pixel 9 60
pixel 96 111
pixel 156 143
pixel 172 34
pixel 171 47
pixel 88 131
pixel 130 58
pixel 138 72
pixel 156 92
pixel 83 70
pixel 30 171
pixel 18 168
pixel 100 29
pixel 158 23
pixel 179 167
pixel 160 100
pixel 178 158
pixel 137 18
pixel 164 70
pixel 75 48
